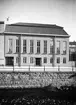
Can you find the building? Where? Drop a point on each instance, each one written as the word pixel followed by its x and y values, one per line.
pixel 23 44
pixel 72 53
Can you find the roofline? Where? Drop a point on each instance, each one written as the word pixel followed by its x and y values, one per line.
pixel 35 34
pixel 35 25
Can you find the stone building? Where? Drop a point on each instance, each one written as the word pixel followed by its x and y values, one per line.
pixel 23 44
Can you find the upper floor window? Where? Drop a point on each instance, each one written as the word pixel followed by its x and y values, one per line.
pixel 58 47
pixel 38 46
pixel 10 45
pixel 24 46
pixel 51 47
pixel 31 46
pixel 45 46
pixel 64 47
pixel 17 45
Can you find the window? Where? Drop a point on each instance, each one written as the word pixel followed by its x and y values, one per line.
pixel 31 60
pixel 24 46
pixel 51 46
pixel 58 60
pixel 45 46
pixel 64 47
pixel 51 60
pixel 58 47
pixel 17 59
pixel 38 46
pixel 17 45
pixel 24 59
pixel 45 60
pixel 10 45
pixel 31 46
pixel 64 60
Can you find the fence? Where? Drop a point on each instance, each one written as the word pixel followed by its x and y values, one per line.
pixel 36 69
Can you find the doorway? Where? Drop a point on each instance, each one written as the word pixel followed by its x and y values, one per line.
pixel 9 61
pixel 38 61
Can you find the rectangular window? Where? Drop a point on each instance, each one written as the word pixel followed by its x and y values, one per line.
pixel 58 60
pixel 24 59
pixel 45 46
pixel 64 47
pixel 45 60
pixel 38 46
pixel 51 47
pixel 64 60
pixel 31 60
pixel 17 59
pixel 51 60
pixel 31 46
pixel 24 46
pixel 10 46
pixel 58 47
pixel 17 45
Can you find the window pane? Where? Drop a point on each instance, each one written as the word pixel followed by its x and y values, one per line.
pixel 31 46
pixel 24 59
pixel 64 47
pixel 24 46
pixel 51 47
pixel 10 45
pixel 45 60
pixel 31 60
pixel 58 60
pixel 64 60
pixel 51 60
pixel 38 46
pixel 58 47
pixel 45 46
pixel 17 45
pixel 17 59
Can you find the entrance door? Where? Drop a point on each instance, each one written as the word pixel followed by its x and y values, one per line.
pixel 38 61
pixel 9 61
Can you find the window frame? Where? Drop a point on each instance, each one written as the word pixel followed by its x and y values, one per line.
pixel 38 46
pixel 24 46
pixel 31 46
pixel 45 46
pixel 58 60
pixel 45 59
pixel 17 46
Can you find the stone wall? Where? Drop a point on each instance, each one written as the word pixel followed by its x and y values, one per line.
pixel 35 79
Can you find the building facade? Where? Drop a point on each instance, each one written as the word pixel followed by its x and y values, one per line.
pixel 24 44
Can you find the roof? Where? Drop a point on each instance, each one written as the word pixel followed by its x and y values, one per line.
pixel 72 43
pixel 35 28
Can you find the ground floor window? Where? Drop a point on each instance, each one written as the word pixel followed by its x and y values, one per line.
pixel 17 59
pixel 51 60
pixel 58 60
pixel 45 60
pixel 64 60
pixel 31 60
pixel 24 60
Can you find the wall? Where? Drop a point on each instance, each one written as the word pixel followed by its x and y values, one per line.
pixel 35 79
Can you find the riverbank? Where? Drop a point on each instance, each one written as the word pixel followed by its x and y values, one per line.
pixel 38 96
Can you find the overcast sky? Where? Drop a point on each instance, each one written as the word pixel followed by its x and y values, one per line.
pixel 60 12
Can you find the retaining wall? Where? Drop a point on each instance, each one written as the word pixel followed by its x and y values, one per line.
pixel 35 79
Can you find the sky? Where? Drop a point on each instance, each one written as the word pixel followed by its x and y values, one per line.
pixel 59 12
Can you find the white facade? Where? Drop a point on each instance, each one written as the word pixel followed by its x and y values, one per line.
pixel 56 49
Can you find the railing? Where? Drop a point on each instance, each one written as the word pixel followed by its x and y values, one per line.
pixel 36 69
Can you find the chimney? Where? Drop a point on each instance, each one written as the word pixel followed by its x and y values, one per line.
pixel 2 26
